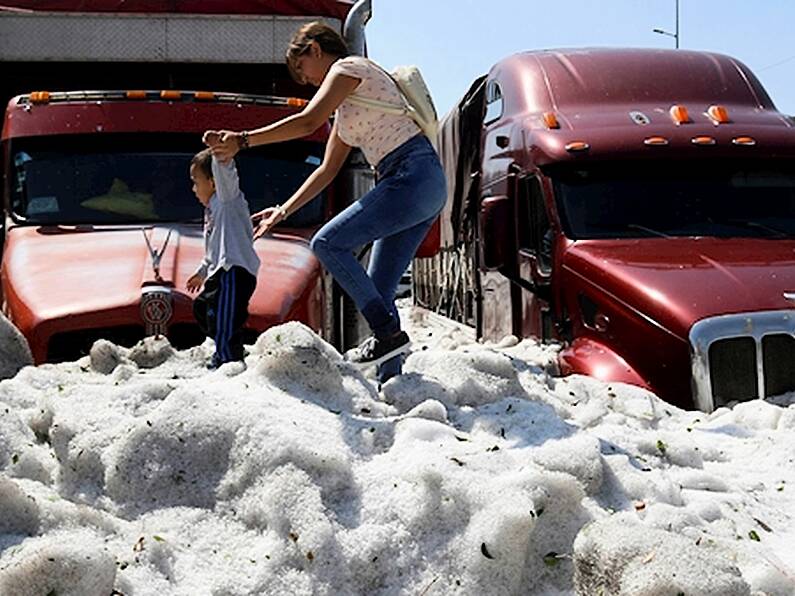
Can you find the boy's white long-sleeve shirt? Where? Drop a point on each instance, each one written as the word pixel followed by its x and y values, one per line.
pixel 228 233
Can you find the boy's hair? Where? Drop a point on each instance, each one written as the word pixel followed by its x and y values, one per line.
pixel 326 37
pixel 204 161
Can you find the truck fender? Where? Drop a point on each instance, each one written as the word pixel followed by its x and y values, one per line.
pixel 431 244
pixel 587 356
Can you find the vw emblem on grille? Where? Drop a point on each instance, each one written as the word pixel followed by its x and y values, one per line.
pixel 156 308
pixel 789 296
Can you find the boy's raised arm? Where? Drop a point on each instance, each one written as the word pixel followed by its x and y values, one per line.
pixel 227 183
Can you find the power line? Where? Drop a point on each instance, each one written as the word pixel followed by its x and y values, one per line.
pixel 777 63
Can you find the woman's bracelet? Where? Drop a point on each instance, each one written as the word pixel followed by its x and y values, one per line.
pixel 282 211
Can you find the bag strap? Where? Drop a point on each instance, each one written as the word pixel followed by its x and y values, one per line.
pixel 405 110
pixel 382 106
pixel 390 77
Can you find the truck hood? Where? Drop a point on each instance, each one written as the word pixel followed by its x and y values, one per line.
pixel 61 272
pixel 679 281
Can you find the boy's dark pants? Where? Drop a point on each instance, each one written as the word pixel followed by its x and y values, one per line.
pixel 222 308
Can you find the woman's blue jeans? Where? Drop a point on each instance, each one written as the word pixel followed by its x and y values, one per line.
pixel 395 216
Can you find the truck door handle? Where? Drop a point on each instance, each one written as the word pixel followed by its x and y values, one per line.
pixel 502 141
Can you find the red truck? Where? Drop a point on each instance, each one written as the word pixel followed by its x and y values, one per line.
pixel 637 206
pixel 101 229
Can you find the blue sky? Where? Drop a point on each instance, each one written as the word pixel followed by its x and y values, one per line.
pixel 453 41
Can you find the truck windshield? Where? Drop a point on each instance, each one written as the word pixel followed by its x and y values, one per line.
pixel 662 198
pixel 128 179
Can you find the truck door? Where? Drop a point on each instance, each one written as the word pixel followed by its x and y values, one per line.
pixel 501 315
pixel 534 258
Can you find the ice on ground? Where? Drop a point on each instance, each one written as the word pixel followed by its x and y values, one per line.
pixel 478 471
pixel 620 556
pixel 14 349
pixel 72 564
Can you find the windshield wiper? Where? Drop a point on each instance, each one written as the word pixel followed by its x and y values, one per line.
pixel 618 230
pixel 757 226
pixel 633 226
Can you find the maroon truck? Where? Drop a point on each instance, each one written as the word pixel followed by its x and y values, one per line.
pixel 108 101
pixel 637 206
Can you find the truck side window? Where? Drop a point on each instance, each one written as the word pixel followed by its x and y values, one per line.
pixel 494 102
pixel 535 233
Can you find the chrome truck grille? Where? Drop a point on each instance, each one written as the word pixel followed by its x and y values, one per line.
pixel 742 357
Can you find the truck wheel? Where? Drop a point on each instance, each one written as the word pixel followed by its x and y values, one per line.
pixel 349 326
pixel 355 325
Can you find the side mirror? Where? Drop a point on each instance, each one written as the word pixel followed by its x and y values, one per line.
pixel 496 233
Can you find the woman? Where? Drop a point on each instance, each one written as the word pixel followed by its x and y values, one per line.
pixel 395 215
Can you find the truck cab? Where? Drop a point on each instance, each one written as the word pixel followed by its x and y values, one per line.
pixel 101 228
pixel 637 206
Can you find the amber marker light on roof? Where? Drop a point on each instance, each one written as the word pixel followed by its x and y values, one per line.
pixel 204 95
pixel 679 114
pixel 703 140
pixel 169 94
pixel 577 146
pixel 40 96
pixel 744 141
pixel 550 120
pixel 296 102
pixel 718 114
pixel 655 141
pixel 135 95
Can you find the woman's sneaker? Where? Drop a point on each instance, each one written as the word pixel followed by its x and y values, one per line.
pixel 373 351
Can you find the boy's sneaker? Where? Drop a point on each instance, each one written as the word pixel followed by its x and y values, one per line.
pixel 214 362
pixel 373 351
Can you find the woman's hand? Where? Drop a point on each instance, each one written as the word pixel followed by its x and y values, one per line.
pixel 223 143
pixel 265 220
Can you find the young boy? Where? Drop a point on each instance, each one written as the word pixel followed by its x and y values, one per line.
pixel 229 268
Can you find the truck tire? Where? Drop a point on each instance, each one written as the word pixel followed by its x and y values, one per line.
pixel 348 327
